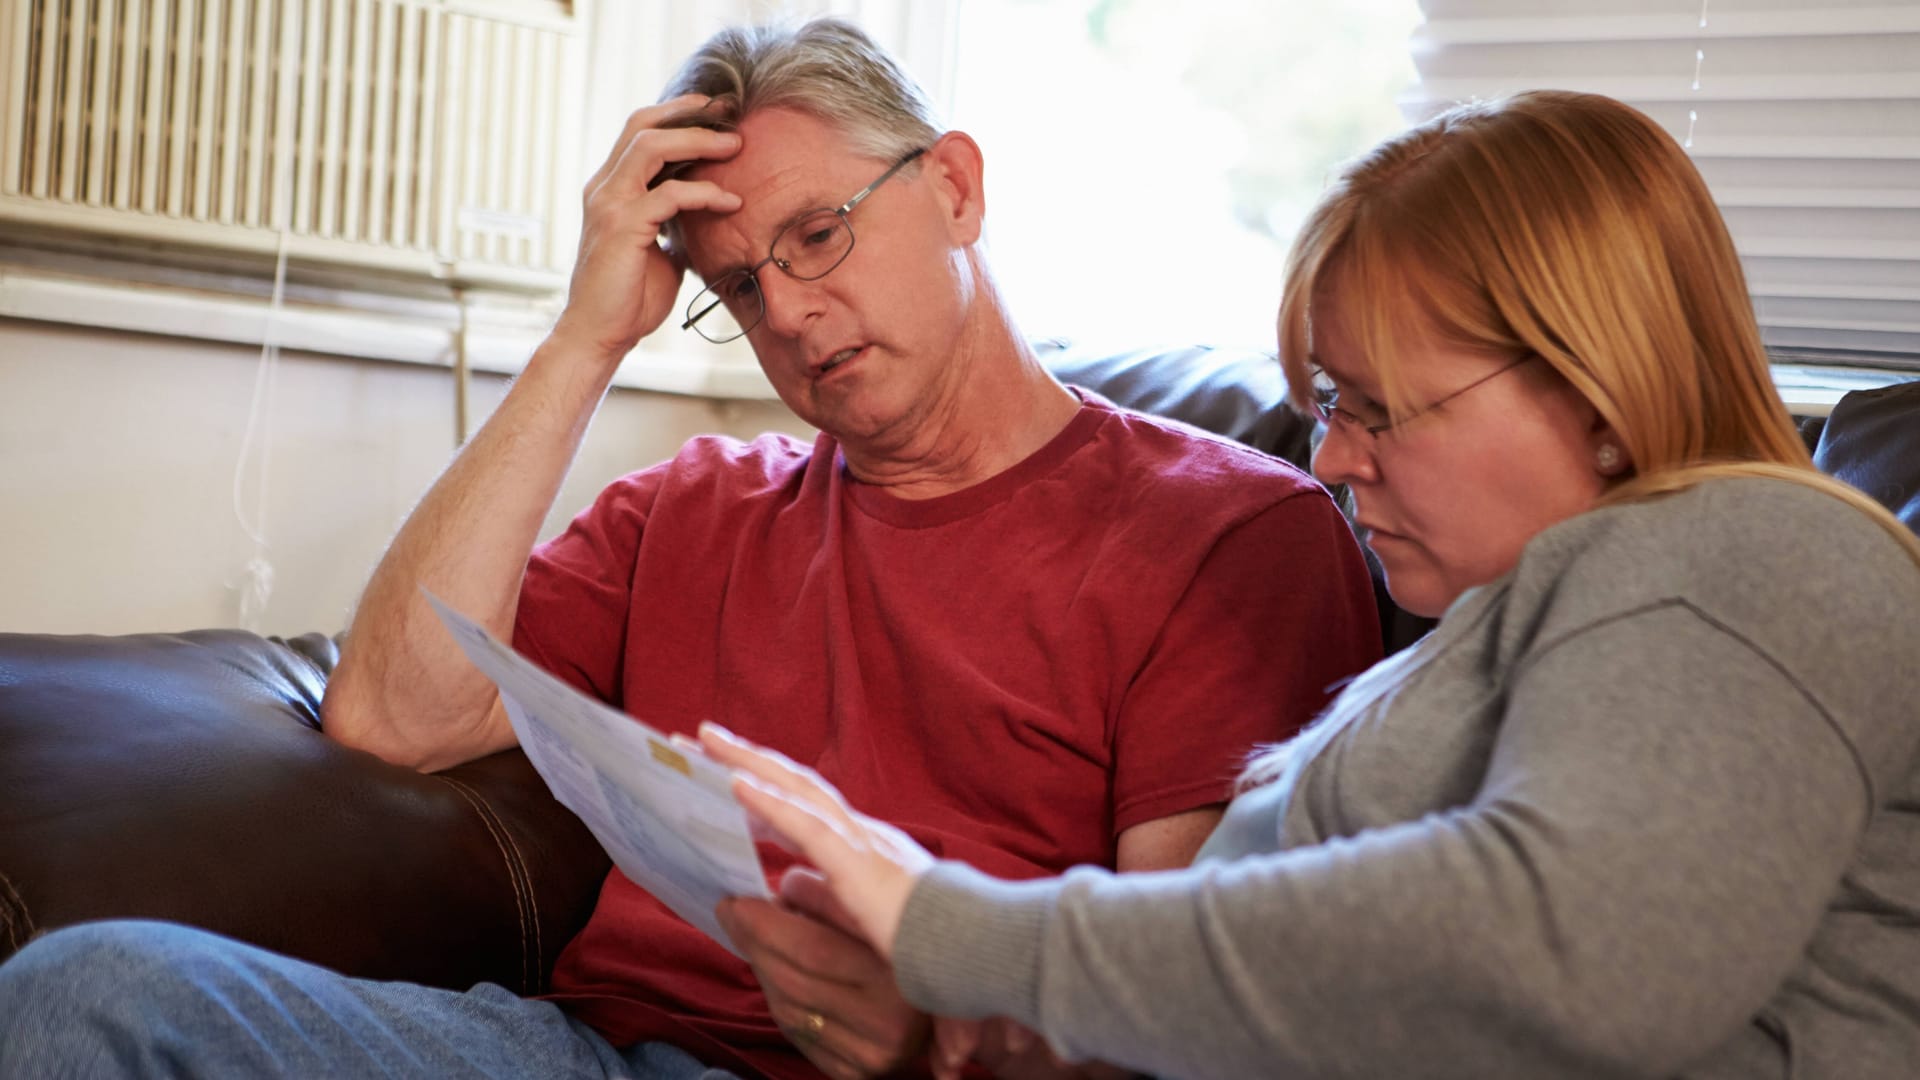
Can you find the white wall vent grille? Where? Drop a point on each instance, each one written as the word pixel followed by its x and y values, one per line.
pixel 421 137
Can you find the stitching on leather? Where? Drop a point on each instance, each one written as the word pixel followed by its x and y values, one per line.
pixel 522 884
pixel 526 904
pixel 509 855
pixel 15 939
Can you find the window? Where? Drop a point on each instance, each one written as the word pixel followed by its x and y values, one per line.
pixel 1148 161
pixel 1803 115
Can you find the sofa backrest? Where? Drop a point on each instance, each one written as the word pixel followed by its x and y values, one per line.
pixel 1872 441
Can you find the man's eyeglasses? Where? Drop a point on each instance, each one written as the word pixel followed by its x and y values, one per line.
pixel 806 250
pixel 1373 419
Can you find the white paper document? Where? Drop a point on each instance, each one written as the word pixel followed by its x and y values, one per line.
pixel 665 813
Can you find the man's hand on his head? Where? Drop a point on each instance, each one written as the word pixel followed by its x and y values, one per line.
pixel 829 991
pixel 624 282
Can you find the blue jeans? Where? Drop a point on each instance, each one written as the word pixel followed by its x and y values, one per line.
pixel 154 999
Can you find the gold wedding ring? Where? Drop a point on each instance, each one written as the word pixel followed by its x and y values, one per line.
pixel 816 1024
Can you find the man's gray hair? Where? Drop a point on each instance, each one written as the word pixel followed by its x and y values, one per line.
pixel 827 68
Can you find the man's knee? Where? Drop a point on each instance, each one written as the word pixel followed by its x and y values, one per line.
pixel 86 995
pixel 128 956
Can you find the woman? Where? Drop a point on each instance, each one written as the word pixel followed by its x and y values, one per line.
pixel 1645 803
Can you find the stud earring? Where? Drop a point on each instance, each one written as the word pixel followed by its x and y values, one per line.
pixel 1607 459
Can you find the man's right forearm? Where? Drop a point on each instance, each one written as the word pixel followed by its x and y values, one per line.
pixel 402 689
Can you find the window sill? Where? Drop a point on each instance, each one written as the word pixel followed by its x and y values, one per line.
pixel 1812 389
pixel 403 326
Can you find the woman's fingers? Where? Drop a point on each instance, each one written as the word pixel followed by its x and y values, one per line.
pixel 806 829
pixel 954 1043
pixel 772 768
pixel 799 803
pixel 872 888
pixel 869 865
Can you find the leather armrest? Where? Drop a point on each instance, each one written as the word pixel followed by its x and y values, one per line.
pixel 184 777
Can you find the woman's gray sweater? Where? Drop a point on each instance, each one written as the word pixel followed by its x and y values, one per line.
pixel 1646 806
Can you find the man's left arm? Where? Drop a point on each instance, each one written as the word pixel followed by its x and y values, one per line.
pixel 1167 843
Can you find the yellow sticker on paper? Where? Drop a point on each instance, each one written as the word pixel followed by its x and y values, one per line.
pixel 671 758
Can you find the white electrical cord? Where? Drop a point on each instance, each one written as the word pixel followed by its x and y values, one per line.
pixel 256 585
pixel 1699 62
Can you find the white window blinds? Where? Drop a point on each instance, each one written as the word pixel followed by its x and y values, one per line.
pixel 1803 115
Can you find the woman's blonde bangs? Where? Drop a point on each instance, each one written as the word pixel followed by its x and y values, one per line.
pixel 1392 270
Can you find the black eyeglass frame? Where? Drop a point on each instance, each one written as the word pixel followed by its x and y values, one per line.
pixel 1326 403
pixel 709 298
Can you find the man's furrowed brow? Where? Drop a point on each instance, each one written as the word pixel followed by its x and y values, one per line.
pixel 760 254
pixel 723 271
pixel 810 208
pixel 695 263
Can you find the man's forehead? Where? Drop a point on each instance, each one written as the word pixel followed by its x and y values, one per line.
pixel 727 241
pixel 780 149
pixel 776 186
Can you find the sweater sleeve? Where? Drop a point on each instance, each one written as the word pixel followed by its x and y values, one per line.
pixel 1665 814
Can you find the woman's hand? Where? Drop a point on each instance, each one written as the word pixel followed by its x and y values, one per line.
pixel 870 866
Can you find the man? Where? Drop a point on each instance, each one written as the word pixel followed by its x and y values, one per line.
pixel 1028 627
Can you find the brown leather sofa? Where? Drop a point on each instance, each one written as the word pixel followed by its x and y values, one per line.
pixel 184 777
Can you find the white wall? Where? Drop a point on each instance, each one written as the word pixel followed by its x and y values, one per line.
pixel 117 456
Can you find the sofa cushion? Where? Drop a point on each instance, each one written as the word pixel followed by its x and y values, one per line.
pixel 184 777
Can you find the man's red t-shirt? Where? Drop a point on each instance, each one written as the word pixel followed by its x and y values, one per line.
pixel 1014 674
